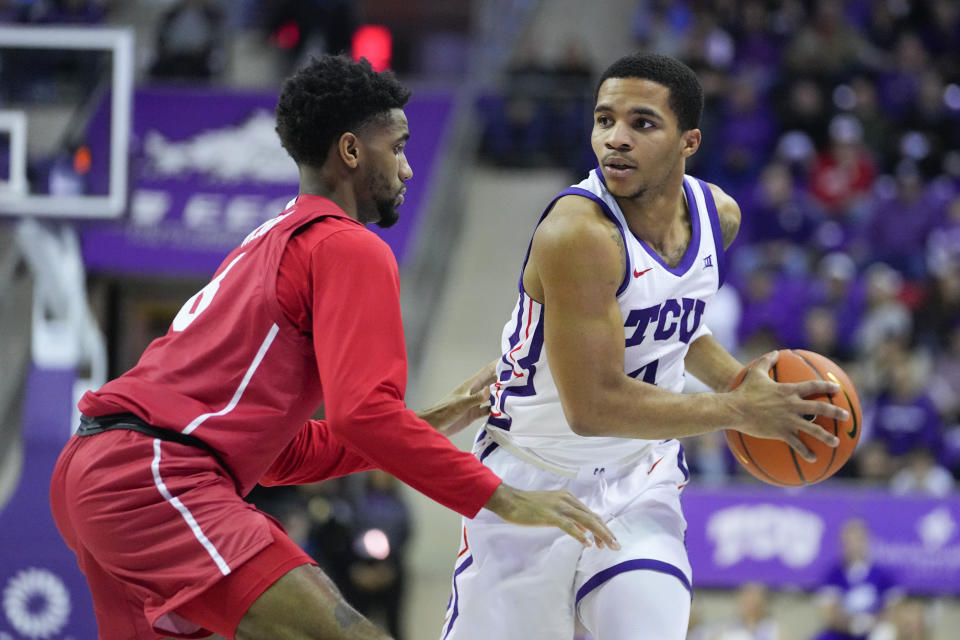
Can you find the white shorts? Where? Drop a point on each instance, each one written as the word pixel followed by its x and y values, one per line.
pixel 525 583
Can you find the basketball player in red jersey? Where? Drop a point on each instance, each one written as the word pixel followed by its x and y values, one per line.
pixel 305 312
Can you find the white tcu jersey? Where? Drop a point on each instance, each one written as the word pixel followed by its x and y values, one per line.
pixel 662 308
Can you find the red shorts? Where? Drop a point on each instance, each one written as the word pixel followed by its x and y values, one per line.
pixel 167 546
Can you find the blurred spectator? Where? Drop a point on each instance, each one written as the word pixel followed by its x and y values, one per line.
pixel 757 50
pixel 190 41
pixel 940 311
pixel 902 214
pixel 746 134
pixel 856 592
pixel 842 176
pixel 771 303
pixel 862 99
pixel 828 46
pixel 928 125
pixel 943 242
pixel 921 474
pixel 908 619
pixel 377 573
pixel 873 464
pixel 709 457
pixel 904 417
pixel 882 25
pixel 803 107
pixel 543 115
pixel 836 289
pixel 753 620
pixel 318 517
pixel 885 316
pixel 944 381
pixel 821 334
pixel 900 85
pixel 940 33
pixel 707 43
pixel 778 210
pixel 517 120
pixel 662 25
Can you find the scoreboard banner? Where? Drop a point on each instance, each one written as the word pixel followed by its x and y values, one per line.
pixel 207 168
pixel 791 538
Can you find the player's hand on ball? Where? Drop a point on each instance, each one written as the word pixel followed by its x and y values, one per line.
pixel 780 410
pixel 463 405
pixel 551 509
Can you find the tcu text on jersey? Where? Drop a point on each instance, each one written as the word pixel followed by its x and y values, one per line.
pixel 674 315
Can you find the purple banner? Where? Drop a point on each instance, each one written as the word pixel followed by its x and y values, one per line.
pixel 44 595
pixel 792 538
pixel 207 168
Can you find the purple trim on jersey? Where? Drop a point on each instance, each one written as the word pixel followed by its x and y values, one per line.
pixel 692 249
pixel 543 215
pixel 682 463
pixel 488 450
pixel 456 594
pixel 577 191
pixel 600 177
pixel 527 364
pixel 717 233
pixel 512 341
pixel 632 565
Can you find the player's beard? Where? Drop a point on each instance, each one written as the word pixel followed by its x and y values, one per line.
pixel 388 212
pixel 386 206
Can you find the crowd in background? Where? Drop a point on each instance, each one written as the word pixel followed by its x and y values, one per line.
pixel 356 528
pixel 836 126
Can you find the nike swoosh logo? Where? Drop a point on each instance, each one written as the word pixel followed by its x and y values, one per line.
pixel 637 274
pixel 852 433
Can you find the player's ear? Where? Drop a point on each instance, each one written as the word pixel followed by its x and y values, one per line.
pixel 690 142
pixel 348 148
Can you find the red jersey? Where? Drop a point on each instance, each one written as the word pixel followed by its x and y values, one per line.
pixel 304 312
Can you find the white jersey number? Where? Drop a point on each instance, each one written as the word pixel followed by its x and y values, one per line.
pixel 200 300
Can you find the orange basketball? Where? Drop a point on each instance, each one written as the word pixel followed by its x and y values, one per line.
pixel 773 461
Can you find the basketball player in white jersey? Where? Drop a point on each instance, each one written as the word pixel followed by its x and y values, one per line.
pixel 587 397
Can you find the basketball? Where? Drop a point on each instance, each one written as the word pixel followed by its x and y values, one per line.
pixel 774 461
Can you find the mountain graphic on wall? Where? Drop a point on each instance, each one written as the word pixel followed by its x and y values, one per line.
pixel 246 153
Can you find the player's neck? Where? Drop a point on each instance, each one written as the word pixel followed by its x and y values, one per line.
pixel 659 217
pixel 315 181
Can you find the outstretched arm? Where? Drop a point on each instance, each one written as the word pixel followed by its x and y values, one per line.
pixel 316 454
pixel 361 359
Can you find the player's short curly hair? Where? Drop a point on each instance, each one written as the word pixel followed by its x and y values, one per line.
pixel 686 93
pixel 328 97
